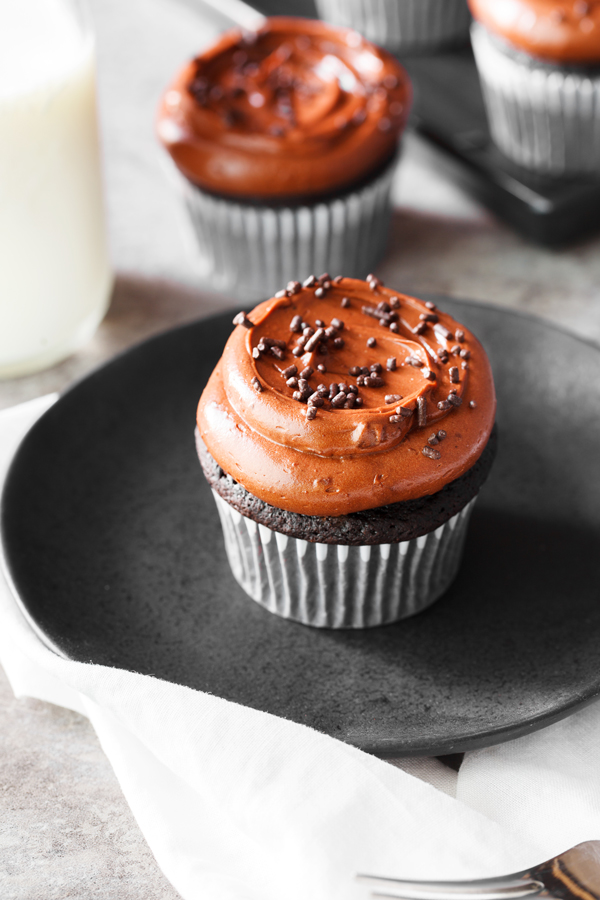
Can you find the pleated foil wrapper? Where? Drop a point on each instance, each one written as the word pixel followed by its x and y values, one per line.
pixel 541 117
pixel 401 25
pixel 255 250
pixel 341 586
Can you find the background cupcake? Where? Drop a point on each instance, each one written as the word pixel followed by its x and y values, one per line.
pixel 539 63
pixel 345 433
pixel 402 25
pixel 287 139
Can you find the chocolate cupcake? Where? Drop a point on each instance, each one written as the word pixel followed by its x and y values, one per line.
pixel 539 64
pixel 402 25
pixel 286 139
pixel 345 433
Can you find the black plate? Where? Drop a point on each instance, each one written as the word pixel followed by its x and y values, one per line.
pixel 113 542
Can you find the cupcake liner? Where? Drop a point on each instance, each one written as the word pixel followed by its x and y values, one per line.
pixel 540 116
pixel 401 24
pixel 341 586
pixel 258 249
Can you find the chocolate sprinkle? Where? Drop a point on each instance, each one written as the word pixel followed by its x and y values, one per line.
pixel 395 302
pixel 354 371
pixel 255 353
pixel 291 370
pixel 391 364
pixel 371 342
pixel 306 372
pixel 377 368
pixel 443 331
pixel 460 336
pixel 292 382
pixel 279 294
pixel 431 452
pixel 441 434
pixel 359 401
pixel 309 282
pixel 338 400
pixel 429 317
pixel 395 420
pixel 414 361
pixel 242 319
pixel 338 278
pixel 374 381
pixel 333 389
pixel 337 323
pixel 256 385
pixel 465 354
pixel 319 323
pixel 422 411
pixel 405 411
pixel 395 327
pixel 454 375
pixel 430 305
pixel 314 339
pixel 322 369
pixel 454 399
pixel 345 302
pixel 338 343
pixel 349 404
pixel 298 350
pixel 320 293
pixel 421 328
pixel 311 412
pixel 277 352
pixel 316 399
pixel 472 404
pixel 393 398
pixel 433 439
pixel 444 404
pixel 298 395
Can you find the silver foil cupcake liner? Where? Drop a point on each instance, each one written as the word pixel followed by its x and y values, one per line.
pixel 256 250
pixel 541 117
pixel 401 24
pixel 340 586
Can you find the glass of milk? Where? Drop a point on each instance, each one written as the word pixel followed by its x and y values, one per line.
pixel 55 277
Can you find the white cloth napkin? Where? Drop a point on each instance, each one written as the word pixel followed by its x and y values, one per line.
pixel 240 805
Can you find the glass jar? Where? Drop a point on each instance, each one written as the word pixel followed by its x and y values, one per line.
pixel 55 277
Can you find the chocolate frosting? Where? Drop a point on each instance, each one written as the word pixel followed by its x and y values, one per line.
pixel 564 31
pixel 429 375
pixel 297 109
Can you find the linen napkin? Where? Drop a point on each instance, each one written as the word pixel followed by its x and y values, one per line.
pixel 241 805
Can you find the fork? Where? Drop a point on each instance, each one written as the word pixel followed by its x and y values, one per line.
pixel 572 875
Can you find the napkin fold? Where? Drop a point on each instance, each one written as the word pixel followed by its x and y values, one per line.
pixel 237 804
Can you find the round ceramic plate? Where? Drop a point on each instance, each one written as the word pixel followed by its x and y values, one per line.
pixel 113 543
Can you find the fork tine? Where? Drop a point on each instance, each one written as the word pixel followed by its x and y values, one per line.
pixel 508 888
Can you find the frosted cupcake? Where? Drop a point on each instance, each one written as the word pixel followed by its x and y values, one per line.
pixel 539 63
pixel 402 25
pixel 287 140
pixel 345 433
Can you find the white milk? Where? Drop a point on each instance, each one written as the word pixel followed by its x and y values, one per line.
pixel 55 278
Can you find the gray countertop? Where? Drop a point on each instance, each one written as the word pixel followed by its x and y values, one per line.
pixel 66 830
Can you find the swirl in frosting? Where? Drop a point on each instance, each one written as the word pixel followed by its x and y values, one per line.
pixel 295 109
pixel 339 396
pixel 563 31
